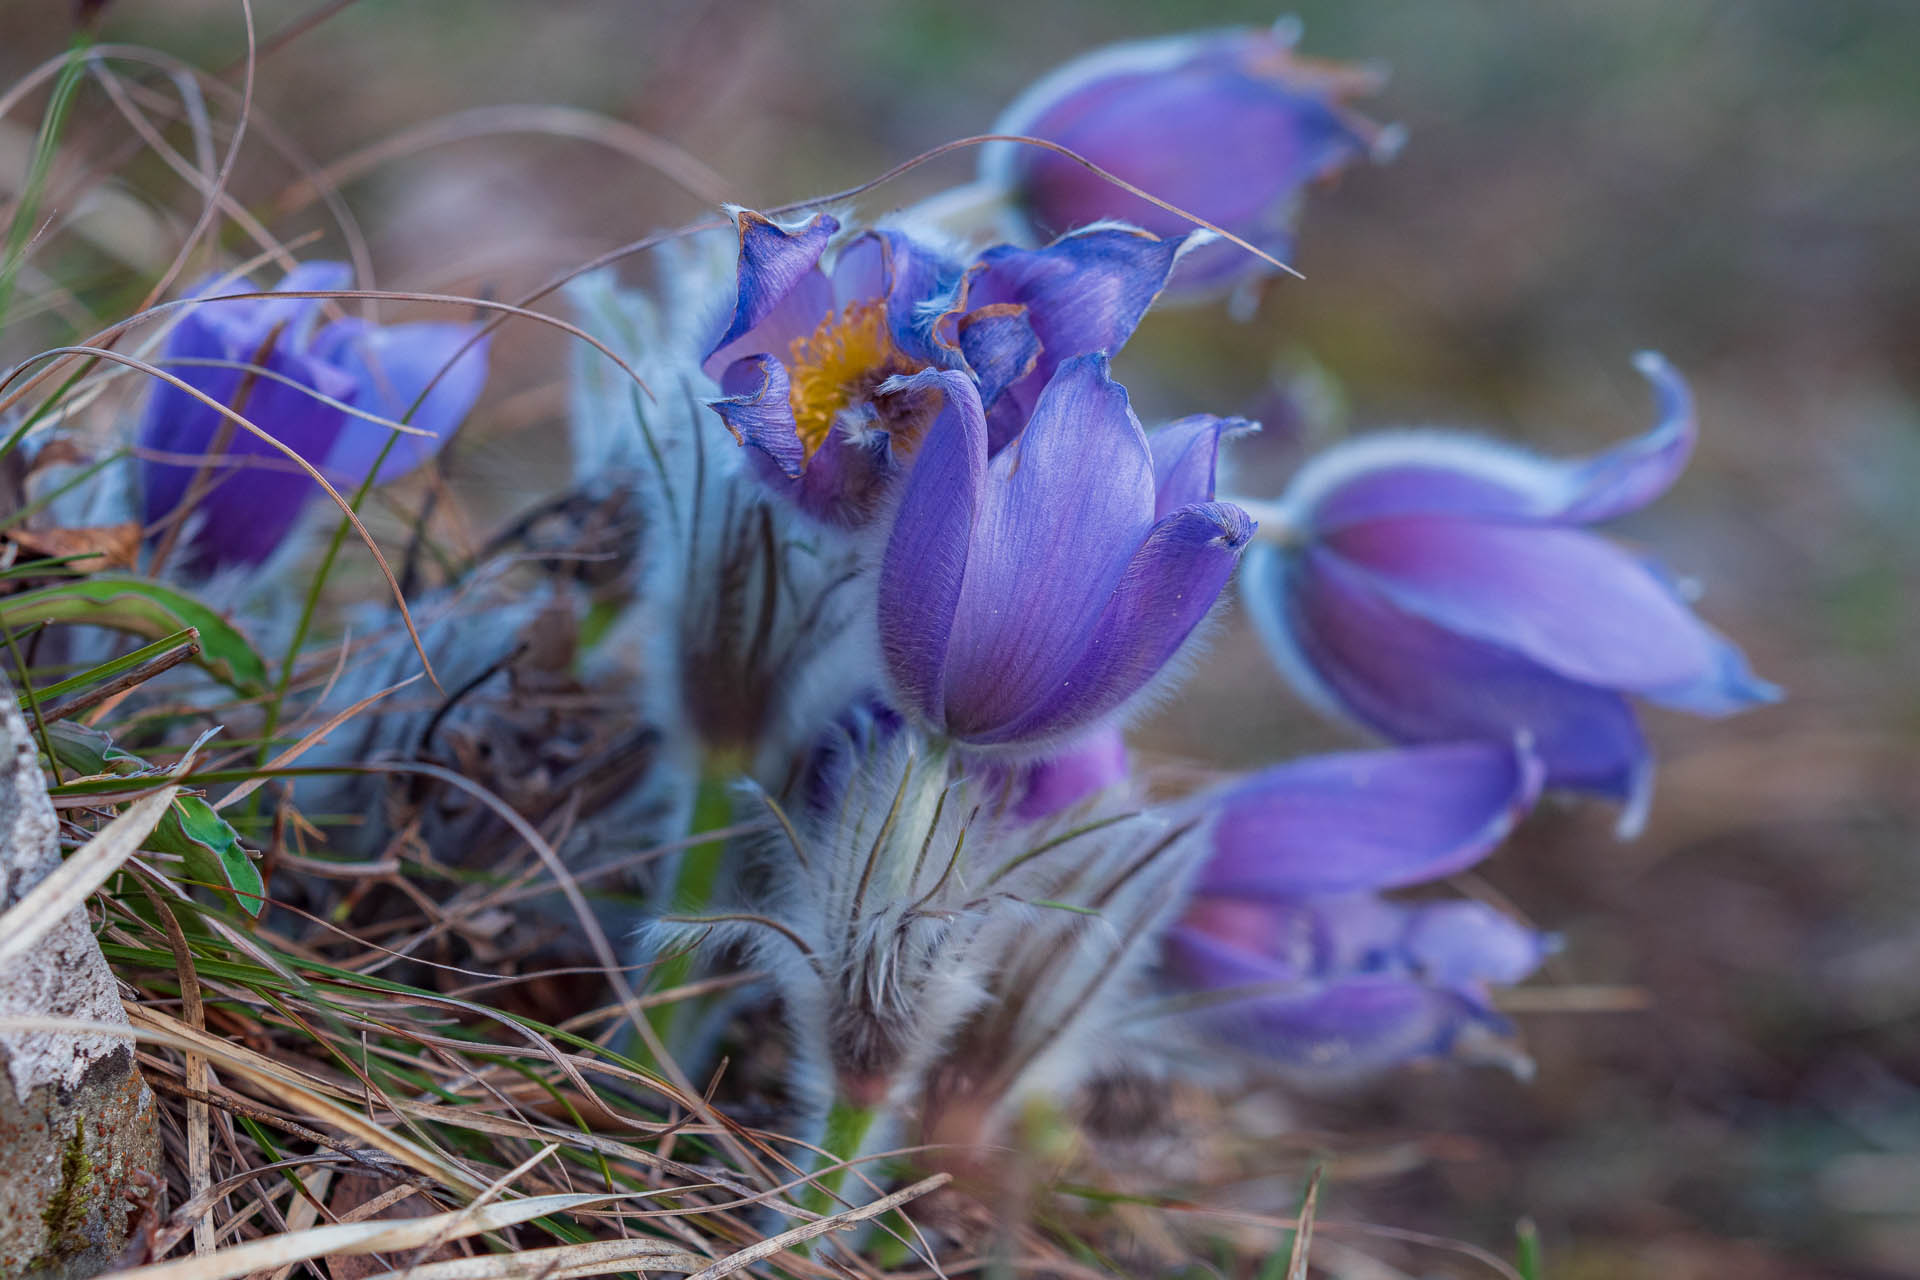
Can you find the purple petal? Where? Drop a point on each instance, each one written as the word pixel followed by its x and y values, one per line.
pixel 843 484
pixel 1564 598
pixel 1467 943
pixel 1366 819
pixel 918 283
pixel 1297 936
pixel 1435 474
pixel 247 514
pixel 1048 551
pixel 1348 1027
pixel 1354 933
pixel 1634 473
pixel 1170 584
pixel 860 271
pixel 1084 768
pixel 999 346
pixel 760 412
pixel 774 264
pixel 1185 454
pixel 393 365
pixel 1209 960
pixel 1084 293
pixel 1728 687
pixel 926 557
pixel 1361 1026
pixel 174 421
pixel 243 324
pixel 291 314
pixel 1351 649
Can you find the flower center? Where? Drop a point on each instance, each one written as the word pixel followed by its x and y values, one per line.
pixel 838 363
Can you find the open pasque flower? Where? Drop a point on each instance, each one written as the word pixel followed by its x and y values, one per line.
pixel 265 359
pixel 1026 596
pixel 1437 587
pixel 1302 961
pixel 1229 125
pixel 806 352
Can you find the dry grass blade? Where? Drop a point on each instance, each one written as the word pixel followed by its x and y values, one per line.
pixel 1424 1239
pixel 1303 1234
pixel 682 168
pixel 206 184
pixel 800 1235
pixel 357 1238
pixel 199 1118
pixel 28 921
pixel 305 1095
pixel 218 190
pixel 307 743
pixel 595 1258
pixel 602 949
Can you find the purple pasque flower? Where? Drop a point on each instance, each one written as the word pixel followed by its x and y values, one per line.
pixel 1290 947
pixel 1436 587
pixel 806 350
pixel 304 390
pixel 1026 596
pixel 1229 125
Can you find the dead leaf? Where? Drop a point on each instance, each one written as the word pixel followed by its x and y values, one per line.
pixel 102 546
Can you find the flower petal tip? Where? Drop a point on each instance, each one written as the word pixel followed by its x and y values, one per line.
pixel 1637 803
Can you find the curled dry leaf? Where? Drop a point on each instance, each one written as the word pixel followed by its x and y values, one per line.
pixel 90 549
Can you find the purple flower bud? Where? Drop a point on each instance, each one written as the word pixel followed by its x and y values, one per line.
pixel 248 511
pixel 1024 598
pixel 1041 788
pixel 1436 588
pixel 1296 955
pixel 806 351
pixel 1086 768
pixel 1228 125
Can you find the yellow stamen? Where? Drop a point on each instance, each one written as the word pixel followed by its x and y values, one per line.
pixel 846 357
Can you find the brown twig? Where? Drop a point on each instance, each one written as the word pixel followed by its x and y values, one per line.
pixel 131 678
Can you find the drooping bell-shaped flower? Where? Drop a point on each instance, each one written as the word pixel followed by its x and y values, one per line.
pixel 1293 952
pixel 265 359
pixel 805 350
pixel 1228 125
pixel 1026 597
pixel 1435 587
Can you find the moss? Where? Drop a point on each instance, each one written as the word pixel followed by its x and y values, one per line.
pixel 65 1216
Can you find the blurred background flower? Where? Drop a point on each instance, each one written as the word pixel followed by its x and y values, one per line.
pixel 1227 125
pixel 305 384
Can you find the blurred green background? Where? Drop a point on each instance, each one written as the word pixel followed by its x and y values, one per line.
pixel 1734 184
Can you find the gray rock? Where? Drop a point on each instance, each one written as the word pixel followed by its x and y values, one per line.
pixel 78 1126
